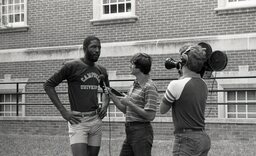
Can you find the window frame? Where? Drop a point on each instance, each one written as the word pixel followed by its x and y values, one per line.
pixel 226 5
pixel 233 84
pixel 8 86
pixel 13 103
pixel 236 113
pixel 15 24
pixel 99 18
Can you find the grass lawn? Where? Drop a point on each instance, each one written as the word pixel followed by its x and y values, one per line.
pixel 39 145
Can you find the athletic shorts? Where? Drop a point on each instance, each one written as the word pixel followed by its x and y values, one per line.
pixel 88 131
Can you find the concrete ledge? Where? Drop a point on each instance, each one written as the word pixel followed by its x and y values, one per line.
pixel 236 42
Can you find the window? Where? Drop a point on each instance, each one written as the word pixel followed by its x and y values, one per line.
pixel 8 97
pixel 112 112
pixel 241 110
pixel 235 4
pixel 239 91
pixel 13 13
pixel 8 105
pixel 119 11
pixel 116 7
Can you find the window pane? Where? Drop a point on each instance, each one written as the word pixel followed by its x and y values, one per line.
pixel 105 1
pixel 241 115
pixel 241 95
pixel 4 11
pixel 17 1
pixel 7 98
pixel 119 115
pixel 13 108
pixel 13 98
pixel 251 95
pixel 4 20
pixel 11 19
pixel 1 98
pixel 20 98
pixel 120 7
pixel 231 108
pixel 1 108
pixel 16 8
pixel 231 116
pixel 128 7
pixel 22 8
pixel 251 115
pixel 10 1
pixel 252 108
pixel 120 0
pixel 106 9
pixel 231 96
pixel 241 108
pixel 112 108
pixel 7 108
pixel 113 1
pixel 4 2
pixel 17 17
pixel 113 8
pixel 10 9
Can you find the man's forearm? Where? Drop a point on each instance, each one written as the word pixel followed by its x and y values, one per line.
pixel 105 100
pixel 51 92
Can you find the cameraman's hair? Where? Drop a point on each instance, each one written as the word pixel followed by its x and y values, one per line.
pixel 142 61
pixel 196 57
pixel 88 40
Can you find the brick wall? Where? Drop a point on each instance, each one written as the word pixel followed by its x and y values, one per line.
pixel 55 23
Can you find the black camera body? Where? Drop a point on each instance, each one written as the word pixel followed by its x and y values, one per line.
pixel 215 61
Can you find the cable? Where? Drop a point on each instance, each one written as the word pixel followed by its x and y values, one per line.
pixel 109 140
pixel 214 78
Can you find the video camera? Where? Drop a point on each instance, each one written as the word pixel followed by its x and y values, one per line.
pixel 215 61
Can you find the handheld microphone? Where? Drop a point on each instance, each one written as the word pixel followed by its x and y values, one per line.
pixel 102 82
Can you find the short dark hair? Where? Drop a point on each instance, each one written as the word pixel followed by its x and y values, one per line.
pixel 88 40
pixel 196 57
pixel 142 61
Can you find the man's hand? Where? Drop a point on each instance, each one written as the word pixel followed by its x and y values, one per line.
pixel 102 112
pixel 71 117
pixel 125 101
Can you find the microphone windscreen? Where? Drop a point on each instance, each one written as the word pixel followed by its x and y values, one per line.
pixel 101 77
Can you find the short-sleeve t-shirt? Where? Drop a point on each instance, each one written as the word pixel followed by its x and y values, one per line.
pixel 187 98
pixel 83 81
pixel 144 97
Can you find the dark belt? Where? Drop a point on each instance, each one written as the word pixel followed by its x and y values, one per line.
pixel 87 114
pixel 137 123
pixel 184 130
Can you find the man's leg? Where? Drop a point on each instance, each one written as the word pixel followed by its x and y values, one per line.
pixel 142 140
pixel 79 149
pixel 94 137
pixel 126 149
pixel 93 150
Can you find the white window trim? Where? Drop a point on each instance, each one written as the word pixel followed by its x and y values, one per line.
pixel 17 24
pixel 7 79
pixel 98 13
pixel 233 84
pixel 225 5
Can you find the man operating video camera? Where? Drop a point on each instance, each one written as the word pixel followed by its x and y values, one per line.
pixel 187 97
